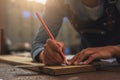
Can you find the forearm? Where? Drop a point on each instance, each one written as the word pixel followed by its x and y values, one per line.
pixel 40 40
pixel 116 52
pixel 52 16
pixel 36 49
pixel 91 3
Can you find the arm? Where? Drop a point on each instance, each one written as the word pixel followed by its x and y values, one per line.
pixel 90 54
pixel 53 15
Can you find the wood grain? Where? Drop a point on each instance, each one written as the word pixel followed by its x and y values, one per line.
pixel 60 70
pixel 18 60
pixel 51 70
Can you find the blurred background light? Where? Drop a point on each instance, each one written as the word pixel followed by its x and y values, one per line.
pixel 41 1
pixel 30 0
pixel 65 19
pixel 26 14
pixel 12 0
pixel 38 1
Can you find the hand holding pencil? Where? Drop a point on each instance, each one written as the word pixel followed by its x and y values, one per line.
pixel 51 55
pixel 53 50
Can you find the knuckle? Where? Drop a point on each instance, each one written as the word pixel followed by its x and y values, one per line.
pixel 93 56
pixel 89 49
pixel 62 43
pixel 48 41
pixel 83 50
pixel 84 53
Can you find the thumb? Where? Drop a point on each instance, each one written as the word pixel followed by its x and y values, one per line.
pixel 60 44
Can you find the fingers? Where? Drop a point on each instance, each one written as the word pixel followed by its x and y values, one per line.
pixel 52 44
pixel 72 61
pixel 55 45
pixel 83 56
pixel 91 58
pixel 51 57
pixel 90 54
pixel 80 56
pixel 61 44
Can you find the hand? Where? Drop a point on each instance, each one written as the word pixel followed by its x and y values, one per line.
pixel 88 55
pixel 50 55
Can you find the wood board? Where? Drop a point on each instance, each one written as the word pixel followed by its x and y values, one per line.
pixel 18 60
pixel 52 70
pixel 60 70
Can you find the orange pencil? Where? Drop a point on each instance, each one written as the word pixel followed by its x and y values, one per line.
pixel 50 35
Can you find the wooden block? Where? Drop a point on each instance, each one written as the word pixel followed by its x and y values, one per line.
pixel 52 70
pixel 60 70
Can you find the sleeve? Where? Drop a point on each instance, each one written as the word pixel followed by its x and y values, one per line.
pixel 118 59
pixel 53 15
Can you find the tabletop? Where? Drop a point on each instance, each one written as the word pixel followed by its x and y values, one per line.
pixel 10 72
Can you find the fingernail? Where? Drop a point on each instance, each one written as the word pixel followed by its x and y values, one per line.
pixel 84 62
pixel 69 63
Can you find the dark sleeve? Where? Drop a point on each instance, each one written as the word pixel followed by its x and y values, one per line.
pixel 118 60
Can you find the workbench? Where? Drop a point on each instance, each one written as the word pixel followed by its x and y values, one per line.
pixel 9 72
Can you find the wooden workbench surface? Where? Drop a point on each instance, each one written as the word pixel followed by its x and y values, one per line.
pixel 18 60
pixel 8 72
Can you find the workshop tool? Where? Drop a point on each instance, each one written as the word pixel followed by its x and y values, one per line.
pixel 51 36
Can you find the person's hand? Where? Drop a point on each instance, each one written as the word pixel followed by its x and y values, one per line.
pixel 50 55
pixel 88 55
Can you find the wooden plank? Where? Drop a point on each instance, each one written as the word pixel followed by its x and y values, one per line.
pixel 60 70
pixel 17 60
pixel 52 70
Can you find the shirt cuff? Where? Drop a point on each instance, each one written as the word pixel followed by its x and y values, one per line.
pixel 35 53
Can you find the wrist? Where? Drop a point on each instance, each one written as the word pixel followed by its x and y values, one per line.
pixel 41 56
pixel 116 51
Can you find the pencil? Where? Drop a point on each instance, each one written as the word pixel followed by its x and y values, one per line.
pixel 50 35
